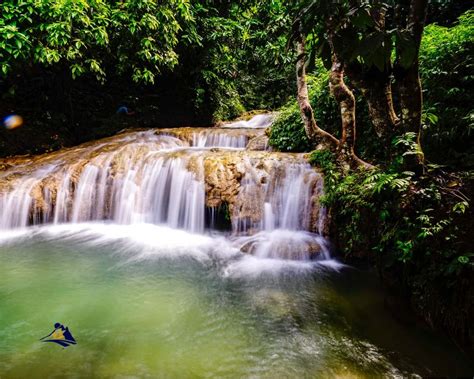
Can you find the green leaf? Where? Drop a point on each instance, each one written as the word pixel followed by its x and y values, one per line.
pixel 463 259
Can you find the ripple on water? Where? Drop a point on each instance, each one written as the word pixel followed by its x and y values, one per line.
pixel 147 300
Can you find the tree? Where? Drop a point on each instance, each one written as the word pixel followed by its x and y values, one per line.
pixel 325 29
pixel 320 138
pixel 358 39
pixel 241 61
pixel 407 71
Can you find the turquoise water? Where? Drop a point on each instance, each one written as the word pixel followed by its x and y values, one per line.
pixel 145 301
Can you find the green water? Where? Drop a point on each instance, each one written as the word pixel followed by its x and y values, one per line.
pixel 136 313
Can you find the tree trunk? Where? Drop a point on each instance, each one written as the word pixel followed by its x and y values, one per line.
pixel 346 101
pixel 408 79
pixel 411 99
pixel 317 136
pixel 345 98
pixel 376 88
pixel 381 110
pixel 376 84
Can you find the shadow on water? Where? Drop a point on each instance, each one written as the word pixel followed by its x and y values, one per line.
pixel 358 304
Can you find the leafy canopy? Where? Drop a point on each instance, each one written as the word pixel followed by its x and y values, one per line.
pixel 137 37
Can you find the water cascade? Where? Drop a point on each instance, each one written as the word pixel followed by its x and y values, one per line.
pixel 261 121
pixel 173 177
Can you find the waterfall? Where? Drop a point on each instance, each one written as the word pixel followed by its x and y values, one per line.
pixel 229 138
pixel 259 121
pixel 147 180
pixel 212 139
pixel 171 177
pixel 285 194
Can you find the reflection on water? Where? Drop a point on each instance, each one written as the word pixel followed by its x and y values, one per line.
pixel 166 303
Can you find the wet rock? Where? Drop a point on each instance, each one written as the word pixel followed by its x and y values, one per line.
pixel 283 244
pixel 259 143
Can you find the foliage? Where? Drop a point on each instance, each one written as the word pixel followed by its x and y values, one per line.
pixel 416 229
pixel 416 225
pixel 447 73
pixel 94 36
pixel 408 221
pixel 446 12
pixel 448 117
pixel 357 36
pixel 242 62
pixel 287 132
pixel 225 57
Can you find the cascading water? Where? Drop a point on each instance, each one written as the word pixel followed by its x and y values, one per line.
pixel 207 139
pixel 258 121
pixel 170 177
pixel 139 180
pixel 223 137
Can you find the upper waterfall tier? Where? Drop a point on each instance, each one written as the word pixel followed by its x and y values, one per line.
pixel 220 137
pixel 176 177
pixel 260 121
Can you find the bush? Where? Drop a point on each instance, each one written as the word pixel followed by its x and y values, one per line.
pixel 287 132
pixel 413 213
pixel 446 65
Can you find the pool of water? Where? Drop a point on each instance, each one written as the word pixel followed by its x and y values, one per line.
pixel 149 301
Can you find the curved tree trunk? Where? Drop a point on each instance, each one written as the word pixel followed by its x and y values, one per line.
pixel 346 101
pixel 318 137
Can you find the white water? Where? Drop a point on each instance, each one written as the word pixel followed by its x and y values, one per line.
pixel 149 178
pixel 259 121
pixel 287 197
pixel 214 138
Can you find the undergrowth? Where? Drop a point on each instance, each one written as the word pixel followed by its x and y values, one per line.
pixel 412 213
pixel 414 228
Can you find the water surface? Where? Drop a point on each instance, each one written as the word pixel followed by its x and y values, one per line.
pixel 150 301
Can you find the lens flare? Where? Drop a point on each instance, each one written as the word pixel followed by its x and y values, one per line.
pixel 13 121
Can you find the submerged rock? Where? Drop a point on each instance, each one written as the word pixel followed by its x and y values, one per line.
pixel 286 244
